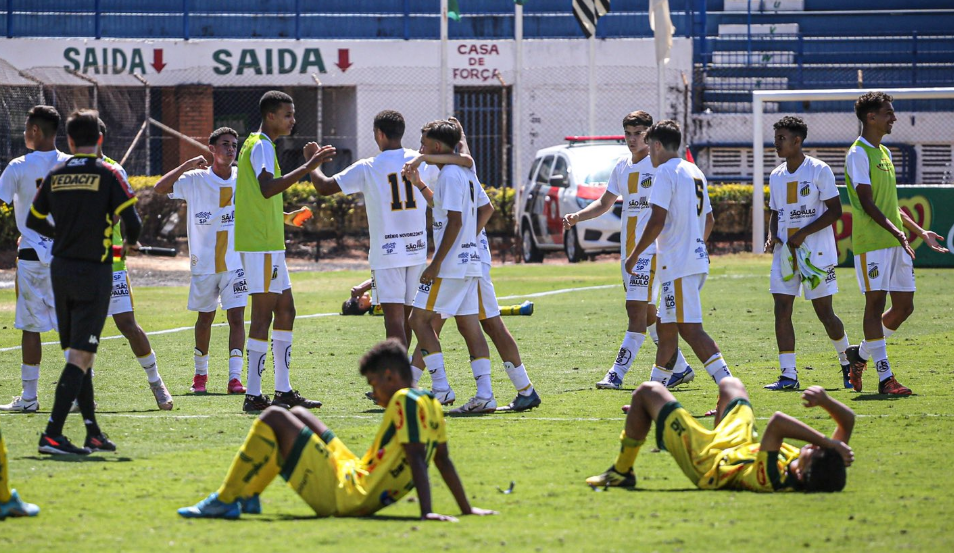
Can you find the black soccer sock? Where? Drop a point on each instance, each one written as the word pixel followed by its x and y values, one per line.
pixel 88 406
pixel 67 389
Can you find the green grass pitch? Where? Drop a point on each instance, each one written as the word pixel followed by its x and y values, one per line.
pixel 898 497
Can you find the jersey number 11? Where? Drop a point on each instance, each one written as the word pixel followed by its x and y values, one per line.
pixel 396 204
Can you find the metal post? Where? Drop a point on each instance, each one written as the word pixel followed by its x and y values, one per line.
pixel 443 90
pixel 517 119
pixel 148 129
pixel 319 114
pixel 758 193
pixel 592 88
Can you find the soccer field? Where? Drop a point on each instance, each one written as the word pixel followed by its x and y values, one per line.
pixel 898 494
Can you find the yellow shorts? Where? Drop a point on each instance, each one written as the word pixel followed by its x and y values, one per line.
pixel 694 447
pixel 313 467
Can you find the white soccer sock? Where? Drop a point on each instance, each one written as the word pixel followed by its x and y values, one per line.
pixel 29 376
pixel 257 350
pixel 281 356
pixel 863 350
pixel 887 331
pixel 148 364
pixel 481 369
pixel 717 368
pixel 201 362
pixel 518 375
pixel 840 346
pixel 632 341
pixel 879 354
pixel 416 374
pixel 660 374
pixel 653 335
pixel 786 360
pixel 435 367
pixel 681 363
pixel 235 364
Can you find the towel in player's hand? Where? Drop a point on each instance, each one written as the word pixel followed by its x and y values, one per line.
pixel 810 273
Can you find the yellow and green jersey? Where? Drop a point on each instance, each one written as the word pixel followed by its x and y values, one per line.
pixel 866 234
pixel 259 221
pixel 119 264
pixel 746 467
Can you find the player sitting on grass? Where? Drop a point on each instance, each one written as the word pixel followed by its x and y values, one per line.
pixel 804 204
pixel 10 503
pixel 326 474
pixel 728 457
pixel 217 273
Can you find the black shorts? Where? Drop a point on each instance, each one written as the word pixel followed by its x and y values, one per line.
pixel 81 291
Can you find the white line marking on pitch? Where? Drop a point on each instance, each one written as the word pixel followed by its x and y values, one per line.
pixel 316 315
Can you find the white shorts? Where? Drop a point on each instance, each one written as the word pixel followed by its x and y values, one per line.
pixel 827 287
pixel 395 285
pixel 36 309
pixel 889 269
pixel 487 306
pixel 642 284
pixel 229 287
pixel 448 296
pixel 121 300
pixel 682 299
pixel 265 272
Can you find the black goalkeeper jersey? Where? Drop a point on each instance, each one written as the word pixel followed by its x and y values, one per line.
pixel 86 198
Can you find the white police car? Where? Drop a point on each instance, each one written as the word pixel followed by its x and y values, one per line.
pixel 564 179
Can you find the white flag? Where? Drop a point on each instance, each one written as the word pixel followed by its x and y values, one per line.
pixel 661 24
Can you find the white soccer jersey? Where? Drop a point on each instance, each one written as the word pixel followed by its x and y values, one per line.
pixel 634 182
pixel 799 199
pixel 397 211
pixel 456 190
pixel 211 211
pixel 681 189
pixel 483 243
pixel 18 184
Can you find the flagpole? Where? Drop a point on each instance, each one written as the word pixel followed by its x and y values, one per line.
pixel 443 90
pixel 517 93
pixel 592 93
pixel 661 88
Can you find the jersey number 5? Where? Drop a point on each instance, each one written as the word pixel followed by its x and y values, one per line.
pixel 699 195
pixel 396 204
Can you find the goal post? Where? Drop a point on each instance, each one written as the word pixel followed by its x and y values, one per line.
pixel 760 97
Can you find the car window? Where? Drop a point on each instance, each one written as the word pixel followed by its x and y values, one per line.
pixel 543 175
pixel 533 169
pixel 594 165
pixel 559 168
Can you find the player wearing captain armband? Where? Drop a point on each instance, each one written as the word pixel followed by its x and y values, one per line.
pixel 804 204
pixel 217 273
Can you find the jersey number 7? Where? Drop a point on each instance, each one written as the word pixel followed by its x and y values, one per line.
pixel 396 204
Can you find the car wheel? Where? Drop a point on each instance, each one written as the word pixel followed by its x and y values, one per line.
pixel 571 245
pixel 531 254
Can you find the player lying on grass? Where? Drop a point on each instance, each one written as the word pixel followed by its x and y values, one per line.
pixel 10 503
pixel 728 457
pixel 326 474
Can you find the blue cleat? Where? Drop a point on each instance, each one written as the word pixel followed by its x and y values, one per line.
pixel 526 308
pixel 845 372
pixel 523 403
pixel 16 507
pixel 211 507
pixel 611 381
pixel 251 505
pixel 784 383
pixel 684 377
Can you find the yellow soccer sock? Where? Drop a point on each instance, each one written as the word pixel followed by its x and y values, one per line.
pixel 255 464
pixel 628 450
pixel 4 476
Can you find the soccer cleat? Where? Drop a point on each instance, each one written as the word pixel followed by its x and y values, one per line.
pixel 75 407
pixel 369 395
pixel 256 404
pixel 526 308
pixel 612 478
pixel 16 507
pixel 446 397
pixel 251 505
pixel 476 406
pixel 684 377
pixel 523 403
pixel 198 384
pixel 59 445
pixel 784 383
pixel 625 408
pixel 99 443
pixel 211 507
pixel 293 399
pixel 892 387
pixel 162 395
pixel 611 381
pixel 21 405
pixel 236 386
pixel 710 413
pixel 845 369
pixel 857 366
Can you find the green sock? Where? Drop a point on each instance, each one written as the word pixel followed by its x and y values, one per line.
pixel 628 450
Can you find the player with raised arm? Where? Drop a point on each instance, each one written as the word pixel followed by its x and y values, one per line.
pixel 804 205
pixel 121 307
pixel 632 178
pixel 260 238
pixel 884 260
pixel 217 274
pixel 680 223
pixel 728 456
pixel 326 474
pixel 35 310
pixel 85 197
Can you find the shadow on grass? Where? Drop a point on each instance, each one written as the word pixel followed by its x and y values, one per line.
pixel 880 397
pixel 205 394
pixel 373 410
pixel 77 459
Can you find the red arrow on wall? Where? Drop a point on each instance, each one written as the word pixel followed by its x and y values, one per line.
pixel 343 59
pixel 157 60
